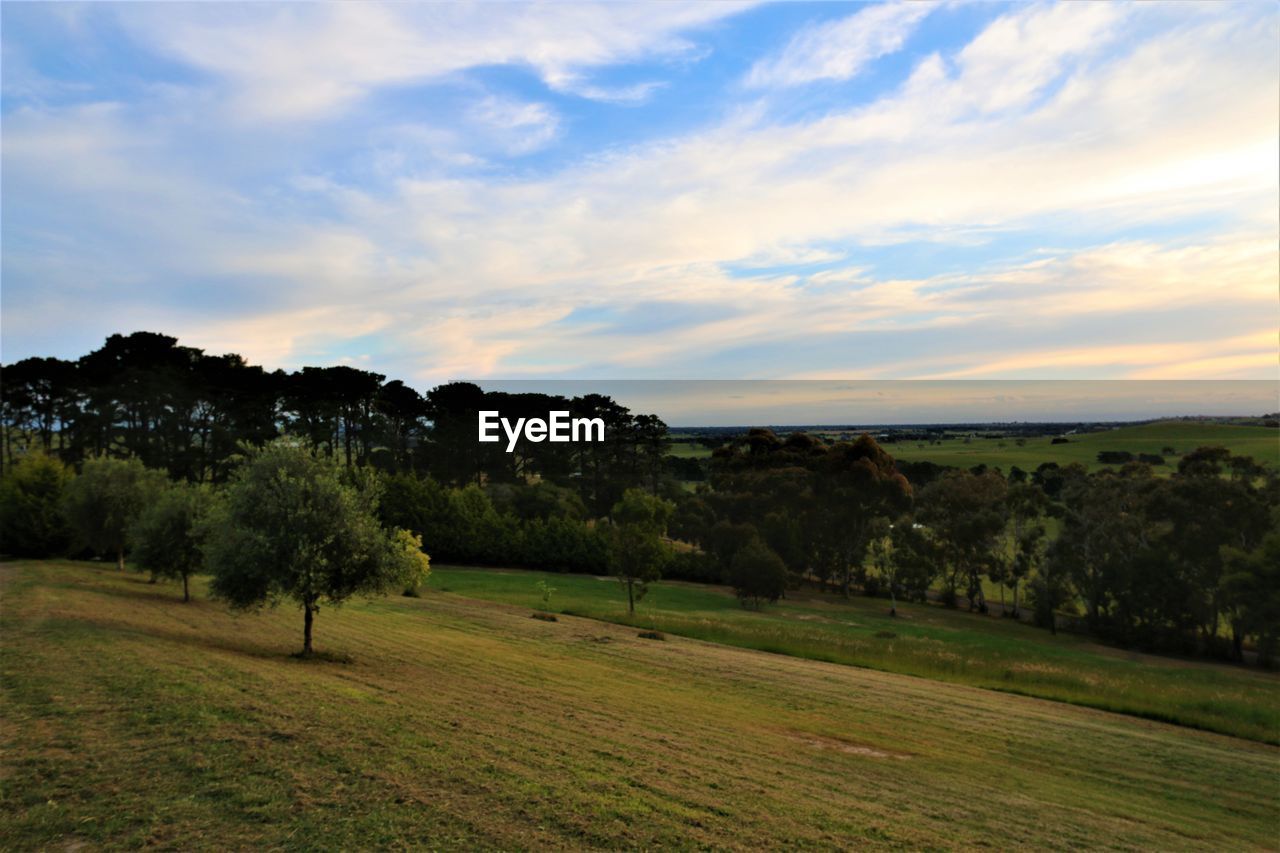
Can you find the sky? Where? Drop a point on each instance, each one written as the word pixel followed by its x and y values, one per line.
pixel 654 191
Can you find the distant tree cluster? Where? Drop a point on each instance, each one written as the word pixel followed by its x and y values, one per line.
pixel 1182 563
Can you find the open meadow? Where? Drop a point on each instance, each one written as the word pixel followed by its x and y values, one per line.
pixel 131 719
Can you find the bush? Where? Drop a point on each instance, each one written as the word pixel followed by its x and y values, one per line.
pixel 757 575
pixel 694 566
pixel 32 523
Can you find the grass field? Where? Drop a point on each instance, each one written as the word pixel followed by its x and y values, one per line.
pixel 926 640
pixel 1261 443
pixel 133 720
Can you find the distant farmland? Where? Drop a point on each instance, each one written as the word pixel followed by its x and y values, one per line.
pixel 132 720
pixel 1262 443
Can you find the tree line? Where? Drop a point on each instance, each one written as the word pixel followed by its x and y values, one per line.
pixel 180 410
pixel 1184 563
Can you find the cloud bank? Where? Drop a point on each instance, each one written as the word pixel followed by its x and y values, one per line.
pixel 703 190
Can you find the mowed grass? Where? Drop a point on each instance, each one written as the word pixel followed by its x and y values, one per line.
pixel 924 640
pixel 1261 443
pixel 131 719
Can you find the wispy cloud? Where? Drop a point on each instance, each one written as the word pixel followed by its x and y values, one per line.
pixel 299 61
pixel 838 50
pixel 1076 190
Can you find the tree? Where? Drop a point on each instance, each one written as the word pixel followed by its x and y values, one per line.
pixel 636 552
pixel 291 525
pixel 913 558
pixel 1251 589
pixel 965 515
pixel 1026 505
pixel 166 536
pixel 32 523
pixel 1049 590
pixel 105 500
pixel 858 488
pixel 757 574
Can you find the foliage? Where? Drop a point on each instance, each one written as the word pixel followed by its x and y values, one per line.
pixel 1250 588
pixel 166 535
pixel 757 575
pixel 636 550
pixel 106 498
pixel 965 516
pixel 545 590
pixel 32 522
pixel 288 526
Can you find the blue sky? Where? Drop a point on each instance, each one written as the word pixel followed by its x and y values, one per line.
pixel 704 190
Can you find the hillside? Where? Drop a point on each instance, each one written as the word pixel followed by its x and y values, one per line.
pixel 925 640
pixel 131 719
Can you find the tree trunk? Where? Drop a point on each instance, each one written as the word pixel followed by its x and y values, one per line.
pixel 309 610
pixel 186 590
pixel 631 600
pixel 893 601
pixel 1015 598
pixel 120 557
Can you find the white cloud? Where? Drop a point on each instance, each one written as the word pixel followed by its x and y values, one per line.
pixel 301 61
pixel 1047 122
pixel 522 127
pixel 839 50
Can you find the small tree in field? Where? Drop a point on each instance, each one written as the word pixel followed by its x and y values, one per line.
pixel 104 501
pixel 636 551
pixel 757 574
pixel 292 525
pixel 165 537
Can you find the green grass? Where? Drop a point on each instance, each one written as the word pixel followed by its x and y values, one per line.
pixel 927 641
pixel 688 450
pixel 128 719
pixel 1261 443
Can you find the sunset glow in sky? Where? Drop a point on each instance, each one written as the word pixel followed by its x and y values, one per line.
pixel 677 190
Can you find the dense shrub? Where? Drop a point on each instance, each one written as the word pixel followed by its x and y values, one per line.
pixel 757 575
pixel 32 523
pixel 694 566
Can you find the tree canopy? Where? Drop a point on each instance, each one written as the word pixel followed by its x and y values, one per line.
pixel 291 524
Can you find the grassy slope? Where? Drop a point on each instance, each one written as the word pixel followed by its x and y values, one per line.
pixel 929 641
pixel 131 719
